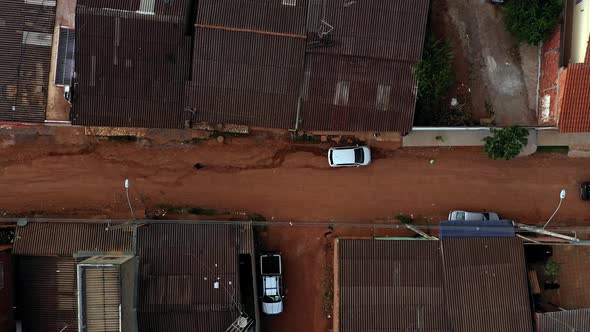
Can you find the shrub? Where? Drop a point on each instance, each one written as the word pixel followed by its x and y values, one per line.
pixel 532 21
pixel 435 72
pixel 404 219
pixel 435 77
pixel 505 143
pixel 552 269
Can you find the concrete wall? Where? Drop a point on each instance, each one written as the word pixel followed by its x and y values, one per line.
pixel 580 30
pixel 129 276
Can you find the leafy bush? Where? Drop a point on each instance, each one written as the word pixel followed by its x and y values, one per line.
pixel 453 117
pixel 435 77
pixel 435 71
pixel 404 219
pixel 532 21
pixel 552 269
pixel 505 143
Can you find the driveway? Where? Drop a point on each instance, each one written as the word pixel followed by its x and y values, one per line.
pixel 496 76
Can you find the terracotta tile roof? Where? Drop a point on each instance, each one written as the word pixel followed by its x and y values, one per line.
pixel 574 113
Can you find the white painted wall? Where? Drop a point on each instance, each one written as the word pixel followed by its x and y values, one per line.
pixel 580 30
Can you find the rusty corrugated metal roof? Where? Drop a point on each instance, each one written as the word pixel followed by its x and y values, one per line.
pixel 459 285
pixel 131 5
pixel 486 285
pixel 26 34
pixel 365 80
pixel 67 239
pixel 46 294
pixel 564 321
pixel 6 292
pixel 245 78
pixel 131 69
pixel 178 8
pixel 179 265
pixel 380 95
pixel 391 286
pixel 247 240
pixel 263 15
pixel 383 29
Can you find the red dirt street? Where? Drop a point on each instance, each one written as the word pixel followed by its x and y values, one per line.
pixel 283 181
pixel 73 175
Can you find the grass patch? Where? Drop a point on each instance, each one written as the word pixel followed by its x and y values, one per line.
pixel 256 217
pixel 197 140
pixel 228 135
pixel 404 219
pixel 260 235
pixel 127 138
pixel 553 149
pixel 328 287
pixel 184 209
pixel 532 21
pixel 305 138
pixel 37 212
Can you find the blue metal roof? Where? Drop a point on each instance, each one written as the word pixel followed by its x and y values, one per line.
pixel 487 228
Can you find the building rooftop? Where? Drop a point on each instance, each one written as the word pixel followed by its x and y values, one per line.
pixel 359 72
pixel 564 321
pixel 6 292
pixel 245 78
pixel 357 94
pixel 382 29
pixel 179 268
pixel 66 239
pixel 27 37
pixel 574 99
pixel 131 69
pixel 176 10
pixel 449 285
pixel 46 256
pixel 188 276
pixel 261 15
pixel 248 63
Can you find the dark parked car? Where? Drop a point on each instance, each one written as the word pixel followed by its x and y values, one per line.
pixel 585 191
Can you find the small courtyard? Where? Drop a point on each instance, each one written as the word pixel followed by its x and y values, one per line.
pixel 495 76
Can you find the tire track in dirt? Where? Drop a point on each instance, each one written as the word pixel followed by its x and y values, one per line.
pixel 275 161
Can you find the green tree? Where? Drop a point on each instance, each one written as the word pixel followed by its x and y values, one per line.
pixel 532 21
pixel 435 71
pixel 435 77
pixel 505 143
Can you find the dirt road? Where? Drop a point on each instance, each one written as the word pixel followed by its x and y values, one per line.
pixel 284 182
pixel 74 175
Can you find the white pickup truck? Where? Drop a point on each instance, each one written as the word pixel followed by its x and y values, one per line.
pixel 271 270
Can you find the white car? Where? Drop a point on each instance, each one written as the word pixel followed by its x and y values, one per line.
pixel 272 301
pixel 349 156
pixel 271 270
pixel 473 216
